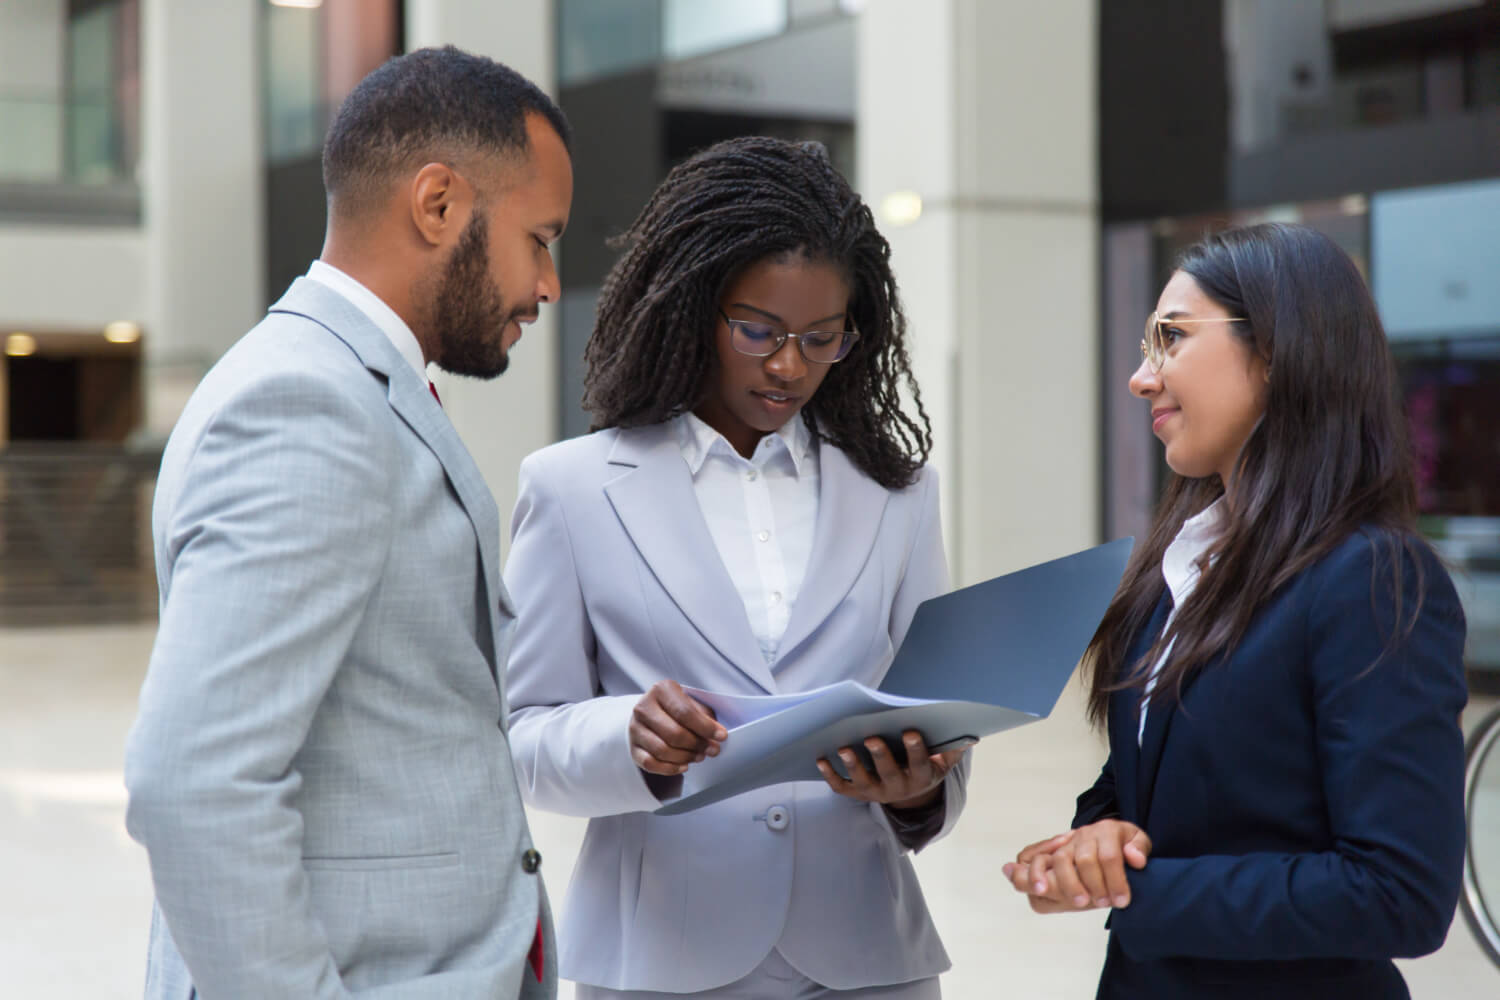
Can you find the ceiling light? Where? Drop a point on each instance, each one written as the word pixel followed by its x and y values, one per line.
pixel 19 345
pixel 122 331
pixel 300 4
pixel 901 208
pixel 1354 204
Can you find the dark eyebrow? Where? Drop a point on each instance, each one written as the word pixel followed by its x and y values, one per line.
pixel 778 319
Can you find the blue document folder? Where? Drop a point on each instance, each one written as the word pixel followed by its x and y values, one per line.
pixel 975 662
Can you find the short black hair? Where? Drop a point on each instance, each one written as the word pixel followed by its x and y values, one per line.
pixel 431 105
pixel 727 207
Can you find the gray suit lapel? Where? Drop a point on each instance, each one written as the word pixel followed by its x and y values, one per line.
pixel 410 397
pixel 654 500
pixel 850 507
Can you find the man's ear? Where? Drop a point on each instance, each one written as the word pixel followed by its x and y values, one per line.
pixel 439 203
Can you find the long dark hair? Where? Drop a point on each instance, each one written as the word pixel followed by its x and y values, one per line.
pixel 1330 456
pixel 730 206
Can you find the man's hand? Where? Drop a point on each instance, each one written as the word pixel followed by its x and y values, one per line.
pixel 670 730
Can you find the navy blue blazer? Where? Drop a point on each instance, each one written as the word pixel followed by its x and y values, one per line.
pixel 1304 799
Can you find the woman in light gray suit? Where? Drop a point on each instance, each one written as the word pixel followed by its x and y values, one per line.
pixel 753 516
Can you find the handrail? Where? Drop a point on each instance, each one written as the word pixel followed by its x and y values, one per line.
pixel 75 533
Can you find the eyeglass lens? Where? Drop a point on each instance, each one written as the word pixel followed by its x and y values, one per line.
pixel 763 339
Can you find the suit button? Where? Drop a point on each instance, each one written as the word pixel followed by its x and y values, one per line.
pixel 778 817
pixel 531 861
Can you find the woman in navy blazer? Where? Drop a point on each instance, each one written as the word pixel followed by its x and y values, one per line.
pixel 1281 672
pixel 753 516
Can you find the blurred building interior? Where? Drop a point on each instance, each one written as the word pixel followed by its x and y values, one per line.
pixel 1035 167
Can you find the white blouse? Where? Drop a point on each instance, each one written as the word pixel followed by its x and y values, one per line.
pixel 1179 565
pixel 761 513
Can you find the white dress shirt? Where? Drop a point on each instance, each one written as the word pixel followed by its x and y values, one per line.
pixel 1180 567
pixel 761 512
pixel 375 310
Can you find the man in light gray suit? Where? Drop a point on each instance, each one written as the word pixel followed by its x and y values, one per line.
pixel 320 771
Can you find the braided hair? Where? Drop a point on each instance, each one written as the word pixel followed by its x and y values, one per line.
pixel 729 206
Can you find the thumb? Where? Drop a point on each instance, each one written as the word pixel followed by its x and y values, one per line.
pixel 1137 849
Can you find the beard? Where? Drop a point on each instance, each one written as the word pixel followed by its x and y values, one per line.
pixel 469 313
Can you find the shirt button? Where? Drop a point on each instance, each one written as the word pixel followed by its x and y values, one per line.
pixel 778 818
pixel 775 597
pixel 531 860
pixel 764 536
pixel 750 476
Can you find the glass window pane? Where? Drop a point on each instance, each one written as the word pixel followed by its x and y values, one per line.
pixel 293 95
pixel 596 39
pixel 697 26
pixel 92 138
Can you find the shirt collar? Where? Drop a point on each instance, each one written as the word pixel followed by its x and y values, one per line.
pixel 1180 564
pixel 375 310
pixel 698 440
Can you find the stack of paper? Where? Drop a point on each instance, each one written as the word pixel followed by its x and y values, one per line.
pixel 975 662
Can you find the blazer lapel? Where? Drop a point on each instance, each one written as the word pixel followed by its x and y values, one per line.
pixel 654 500
pixel 850 508
pixel 410 397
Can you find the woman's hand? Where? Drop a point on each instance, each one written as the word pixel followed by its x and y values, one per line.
pixel 670 730
pixel 909 787
pixel 1082 869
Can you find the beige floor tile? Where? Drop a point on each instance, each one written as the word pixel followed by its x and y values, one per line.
pixel 76 892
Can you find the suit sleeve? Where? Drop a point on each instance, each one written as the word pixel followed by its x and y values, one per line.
pixel 1099 801
pixel 1391 755
pixel 926 576
pixel 275 541
pixel 571 744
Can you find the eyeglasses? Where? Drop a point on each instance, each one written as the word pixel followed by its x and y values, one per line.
pixel 761 340
pixel 1154 345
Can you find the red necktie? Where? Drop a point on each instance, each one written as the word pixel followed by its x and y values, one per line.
pixel 434 393
pixel 535 956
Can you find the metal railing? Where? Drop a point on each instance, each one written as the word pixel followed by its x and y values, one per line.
pixel 75 533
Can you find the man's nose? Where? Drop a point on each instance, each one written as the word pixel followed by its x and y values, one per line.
pixel 548 286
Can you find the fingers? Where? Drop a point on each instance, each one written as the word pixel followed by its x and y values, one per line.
pixel 949 758
pixel 670 730
pixel 689 714
pixel 1065 872
pixel 887 781
pixel 1100 870
pixel 1080 869
pixel 925 769
pixel 831 776
pixel 1138 849
pixel 859 784
pixel 1044 846
pixel 887 771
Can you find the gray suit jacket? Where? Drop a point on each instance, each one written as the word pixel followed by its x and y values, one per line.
pixel 320 770
pixel 620 585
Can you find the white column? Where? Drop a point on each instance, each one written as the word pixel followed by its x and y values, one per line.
pixel 504 420
pixel 990 117
pixel 202 179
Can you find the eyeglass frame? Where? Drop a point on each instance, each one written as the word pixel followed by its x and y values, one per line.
pixel 1153 332
pixel 851 338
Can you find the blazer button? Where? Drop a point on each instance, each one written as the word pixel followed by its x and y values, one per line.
pixel 778 817
pixel 531 861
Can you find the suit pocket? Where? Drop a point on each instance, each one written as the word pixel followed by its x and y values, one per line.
pixel 382 862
